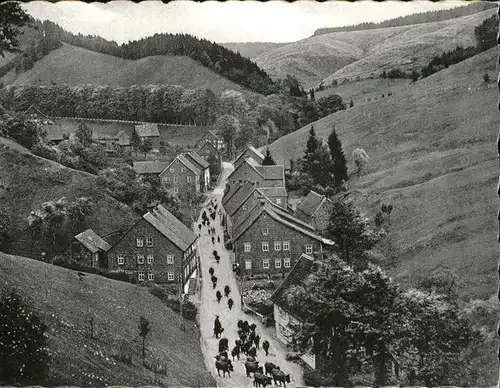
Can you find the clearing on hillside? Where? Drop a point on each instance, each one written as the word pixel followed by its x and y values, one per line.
pixel 75 65
pixel 67 302
pixel 366 53
pixel 432 156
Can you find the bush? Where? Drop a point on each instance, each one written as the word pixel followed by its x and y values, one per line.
pixel 24 358
pixel 115 275
pixel 314 379
pixel 189 310
pixel 292 356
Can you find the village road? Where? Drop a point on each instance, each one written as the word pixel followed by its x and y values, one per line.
pixel 209 308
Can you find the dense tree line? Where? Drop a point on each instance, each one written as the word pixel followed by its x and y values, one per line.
pixel 158 103
pixel 418 18
pixel 214 56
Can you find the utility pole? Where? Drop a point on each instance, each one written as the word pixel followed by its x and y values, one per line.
pixel 181 299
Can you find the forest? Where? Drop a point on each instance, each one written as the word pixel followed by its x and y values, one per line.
pixel 417 18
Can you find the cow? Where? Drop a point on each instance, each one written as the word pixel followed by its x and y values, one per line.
pixel 269 366
pixel 252 367
pixel 261 379
pixel 235 352
pixel 280 376
pixel 224 366
pixel 265 346
pixel 223 345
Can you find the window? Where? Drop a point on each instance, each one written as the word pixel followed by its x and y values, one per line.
pixel 309 249
pixel 277 245
pixel 277 263
pixel 176 190
pixel 183 169
pixel 282 313
pixel 149 241
pixel 170 259
pixel 248 247
pixel 140 242
pixel 176 179
pixel 151 276
pixel 121 259
pixel 167 179
pixel 140 259
pixel 248 264
pixel 150 259
pixel 265 246
pixel 265 231
pixel 188 179
pixel 278 201
pixel 286 262
pixel 141 276
pixel 286 245
pixel 244 207
pixel 172 170
pixel 265 263
pixel 170 276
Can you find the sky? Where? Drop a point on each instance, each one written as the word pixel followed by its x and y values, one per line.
pixel 231 21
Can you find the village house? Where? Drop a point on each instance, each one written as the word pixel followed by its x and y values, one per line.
pixel 123 141
pixel 203 166
pixel 315 209
pixel 211 137
pixel 262 176
pixel 251 152
pixel 35 114
pixel 88 249
pixel 268 240
pixel 54 133
pixel 285 314
pixel 158 247
pixel 208 151
pixel 181 174
pixel 149 168
pixel 149 132
pixel 245 197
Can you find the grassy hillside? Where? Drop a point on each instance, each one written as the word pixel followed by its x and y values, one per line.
pixel 432 155
pixel 74 65
pixel 252 49
pixel 350 54
pixel 67 302
pixel 26 181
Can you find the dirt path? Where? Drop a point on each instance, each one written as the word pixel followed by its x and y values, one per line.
pixel 209 308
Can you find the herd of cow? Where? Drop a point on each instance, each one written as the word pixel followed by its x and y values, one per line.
pixel 248 343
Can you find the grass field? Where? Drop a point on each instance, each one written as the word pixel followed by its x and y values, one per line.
pixel 433 156
pixel 74 65
pixel 26 181
pixel 66 303
pixel 350 54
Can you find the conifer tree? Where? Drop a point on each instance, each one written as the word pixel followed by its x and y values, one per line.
pixel 339 162
pixel 268 159
pixel 135 140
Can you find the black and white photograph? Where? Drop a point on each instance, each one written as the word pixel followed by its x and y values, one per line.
pixel 249 194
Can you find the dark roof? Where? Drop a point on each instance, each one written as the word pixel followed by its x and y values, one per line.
pixel 53 132
pixel 147 130
pixel 173 229
pixel 206 143
pixel 271 172
pixel 150 167
pixel 233 188
pixel 240 196
pixel 38 111
pixel 272 192
pixel 250 151
pixel 310 204
pixel 302 270
pixel 281 217
pixel 90 240
pixel 197 160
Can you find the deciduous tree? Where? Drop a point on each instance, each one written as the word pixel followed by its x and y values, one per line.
pixel 360 158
